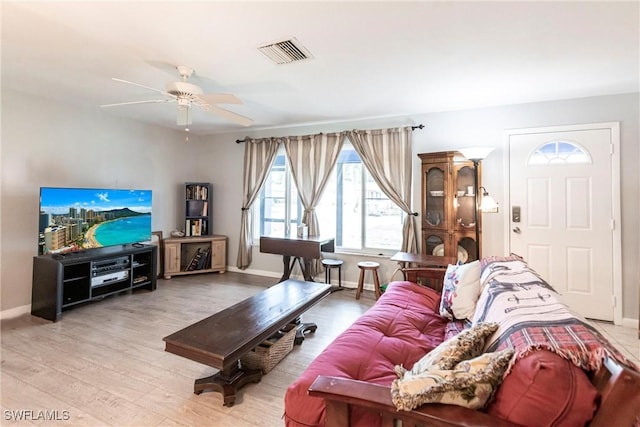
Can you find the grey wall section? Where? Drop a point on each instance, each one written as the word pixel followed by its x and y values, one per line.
pixel 48 144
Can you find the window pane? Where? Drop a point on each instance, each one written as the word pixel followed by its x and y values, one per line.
pixel 383 219
pixel 326 209
pixel 559 153
pixel 350 191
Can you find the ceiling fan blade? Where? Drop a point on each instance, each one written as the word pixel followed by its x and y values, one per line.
pixel 143 86
pixel 152 101
pixel 220 98
pixel 234 117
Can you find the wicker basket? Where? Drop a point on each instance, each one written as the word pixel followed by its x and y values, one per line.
pixel 267 355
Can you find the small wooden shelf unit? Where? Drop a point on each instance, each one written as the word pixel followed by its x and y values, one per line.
pixel 190 255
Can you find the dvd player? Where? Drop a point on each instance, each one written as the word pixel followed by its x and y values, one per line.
pixel 109 277
pixel 98 268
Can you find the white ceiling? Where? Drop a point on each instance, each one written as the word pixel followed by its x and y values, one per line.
pixel 371 59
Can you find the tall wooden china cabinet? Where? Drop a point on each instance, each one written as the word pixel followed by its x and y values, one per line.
pixel 449 205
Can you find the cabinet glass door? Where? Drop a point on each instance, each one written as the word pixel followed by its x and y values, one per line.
pixel 435 206
pixel 466 245
pixel 434 243
pixel 465 198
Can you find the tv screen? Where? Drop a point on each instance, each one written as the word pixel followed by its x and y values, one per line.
pixel 73 219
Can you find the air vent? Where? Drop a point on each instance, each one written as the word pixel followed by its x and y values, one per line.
pixel 286 51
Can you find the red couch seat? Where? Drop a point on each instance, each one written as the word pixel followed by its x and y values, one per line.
pixel 399 329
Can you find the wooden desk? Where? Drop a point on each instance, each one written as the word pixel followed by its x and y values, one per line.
pixel 220 340
pixel 302 249
pixel 422 260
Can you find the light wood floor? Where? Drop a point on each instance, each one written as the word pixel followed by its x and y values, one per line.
pixel 105 364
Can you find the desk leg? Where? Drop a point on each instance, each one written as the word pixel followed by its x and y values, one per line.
pixel 286 260
pixel 289 264
pixel 228 381
pixel 306 269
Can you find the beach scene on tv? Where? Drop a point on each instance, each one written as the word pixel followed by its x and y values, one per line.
pixel 73 219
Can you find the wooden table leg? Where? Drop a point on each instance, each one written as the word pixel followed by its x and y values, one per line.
pixel 286 260
pixel 302 329
pixel 306 270
pixel 228 381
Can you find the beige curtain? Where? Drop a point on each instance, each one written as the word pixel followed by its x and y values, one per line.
pixel 259 155
pixel 386 153
pixel 312 158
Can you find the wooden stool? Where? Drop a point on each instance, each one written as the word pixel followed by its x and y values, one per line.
pixel 373 267
pixel 328 265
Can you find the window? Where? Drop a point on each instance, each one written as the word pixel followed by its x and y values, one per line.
pixel 352 207
pixel 559 153
pixel 279 204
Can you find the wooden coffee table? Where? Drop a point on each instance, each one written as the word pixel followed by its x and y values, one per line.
pixel 220 340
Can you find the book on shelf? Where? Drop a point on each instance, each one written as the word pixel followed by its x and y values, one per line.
pixel 204 259
pixel 195 260
pixel 196 227
pixel 197 208
pixel 200 260
pixel 197 192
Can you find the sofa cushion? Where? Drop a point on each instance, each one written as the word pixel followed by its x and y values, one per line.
pixel 470 383
pixel 466 345
pixel 401 327
pixel 543 389
pixel 460 291
pixel 497 258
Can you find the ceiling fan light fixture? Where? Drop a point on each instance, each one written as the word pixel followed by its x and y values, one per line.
pixel 183 89
pixel 184 117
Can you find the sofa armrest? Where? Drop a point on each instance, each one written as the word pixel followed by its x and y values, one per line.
pixel 342 393
pixel 619 387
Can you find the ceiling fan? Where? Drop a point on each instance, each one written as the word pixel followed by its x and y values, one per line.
pixel 187 95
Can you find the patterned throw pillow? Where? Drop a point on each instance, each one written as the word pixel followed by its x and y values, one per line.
pixel 466 345
pixel 460 291
pixel 471 383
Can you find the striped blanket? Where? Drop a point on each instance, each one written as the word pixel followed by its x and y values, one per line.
pixel 532 317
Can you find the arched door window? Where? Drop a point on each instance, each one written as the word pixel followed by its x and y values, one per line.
pixel 559 153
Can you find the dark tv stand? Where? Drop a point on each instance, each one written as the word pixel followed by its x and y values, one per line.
pixel 63 281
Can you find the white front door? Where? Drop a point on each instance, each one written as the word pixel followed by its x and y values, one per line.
pixel 562 212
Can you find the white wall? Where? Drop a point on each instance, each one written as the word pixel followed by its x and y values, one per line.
pixel 450 131
pixel 47 144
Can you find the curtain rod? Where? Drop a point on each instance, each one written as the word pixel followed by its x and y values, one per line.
pixel 420 126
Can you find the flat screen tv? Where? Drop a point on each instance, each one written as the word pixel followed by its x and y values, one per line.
pixel 74 219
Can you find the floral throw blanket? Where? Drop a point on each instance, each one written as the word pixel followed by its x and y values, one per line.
pixel 532 317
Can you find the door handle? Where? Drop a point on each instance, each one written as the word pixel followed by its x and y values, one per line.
pixel 517 230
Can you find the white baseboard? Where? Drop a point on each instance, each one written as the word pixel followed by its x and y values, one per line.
pixel 15 312
pixel 253 271
pixel 295 276
pixel 629 323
